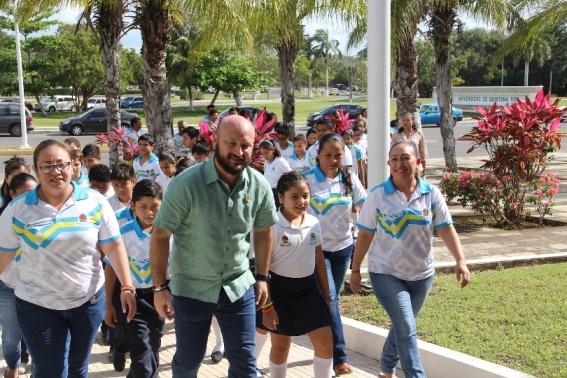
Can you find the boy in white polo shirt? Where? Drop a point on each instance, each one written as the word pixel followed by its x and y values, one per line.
pixel 146 165
pixel 144 332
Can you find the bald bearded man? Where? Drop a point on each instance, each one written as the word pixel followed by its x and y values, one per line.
pixel 211 209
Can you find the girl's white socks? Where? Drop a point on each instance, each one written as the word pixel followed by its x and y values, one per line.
pixel 322 367
pixel 278 371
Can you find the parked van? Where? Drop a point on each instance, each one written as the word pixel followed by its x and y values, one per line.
pixel 56 104
pixel 10 119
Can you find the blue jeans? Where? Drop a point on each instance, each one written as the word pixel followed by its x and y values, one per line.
pixel 11 335
pixel 402 300
pixel 237 322
pixel 60 341
pixel 337 264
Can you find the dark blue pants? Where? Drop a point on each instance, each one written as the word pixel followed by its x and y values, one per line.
pixel 337 264
pixel 237 322
pixel 60 341
pixel 143 335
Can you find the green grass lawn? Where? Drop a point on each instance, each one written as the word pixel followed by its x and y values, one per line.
pixel 515 317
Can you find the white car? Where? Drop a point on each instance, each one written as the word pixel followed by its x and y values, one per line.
pixel 56 104
pixel 96 103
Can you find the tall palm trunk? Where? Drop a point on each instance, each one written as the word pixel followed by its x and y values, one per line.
pixel 442 22
pixel 237 98
pixel 110 26
pixel 155 24
pixel 326 77
pixel 405 86
pixel 287 52
pixel 310 84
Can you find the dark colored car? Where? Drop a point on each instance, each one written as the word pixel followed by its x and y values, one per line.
pixel 132 102
pixel 352 109
pixel 92 121
pixel 10 119
pixel 249 109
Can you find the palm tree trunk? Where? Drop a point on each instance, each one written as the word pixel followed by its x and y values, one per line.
pixel 405 85
pixel 155 24
pixel 287 50
pixel 442 22
pixel 109 27
pixel 526 72
pixel 190 96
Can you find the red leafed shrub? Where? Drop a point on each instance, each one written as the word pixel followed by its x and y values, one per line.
pixel 264 131
pixel 127 149
pixel 341 121
pixel 519 139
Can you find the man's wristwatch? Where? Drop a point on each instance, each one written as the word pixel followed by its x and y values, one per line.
pixel 162 287
pixel 263 277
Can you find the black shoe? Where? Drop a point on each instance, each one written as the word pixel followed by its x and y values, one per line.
pixel 217 356
pixel 105 335
pixel 118 360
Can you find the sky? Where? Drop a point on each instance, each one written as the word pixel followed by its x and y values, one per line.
pixel 337 30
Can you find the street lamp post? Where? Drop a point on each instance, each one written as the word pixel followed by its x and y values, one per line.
pixel 378 90
pixel 23 125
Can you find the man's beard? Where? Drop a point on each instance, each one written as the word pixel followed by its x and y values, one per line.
pixel 225 164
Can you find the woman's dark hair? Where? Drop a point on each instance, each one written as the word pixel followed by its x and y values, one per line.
pixel 146 188
pixel 16 183
pixel 269 144
pixel 345 173
pixel 182 164
pixel 167 156
pixel 200 149
pixel 10 166
pixel 213 111
pixel 52 142
pixel 413 126
pixel 288 180
pixel 233 109
pixel 191 132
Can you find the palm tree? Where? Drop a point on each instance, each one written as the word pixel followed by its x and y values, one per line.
pixel 442 19
pixel 406 17
pixel 326 48
pixel 310 53
pixel 279 23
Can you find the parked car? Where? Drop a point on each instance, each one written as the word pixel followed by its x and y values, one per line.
pixel 249 109
pixel 430 115
pixel 92 121
pixel 352 109
pixel 96 103
pixel 27 104
pixel 56 104
pixel 132 102
pixel 334 92
pixel 10 119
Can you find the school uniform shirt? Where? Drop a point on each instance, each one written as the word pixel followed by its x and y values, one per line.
pixel 358 154
pixel 363 142
pixel 183 151
pixel 10 273
pixel 177 141
pixel 137 244
pixel 149 170
pixel 60 266
pixel 333 208
pixel 287 152
pixel 124 215
pixel 83 180
pixel 275 169
pixel 115 203
pixel 164 181
pixel 293 253
pixel 300 165
pixel 403 245
pixel 314 149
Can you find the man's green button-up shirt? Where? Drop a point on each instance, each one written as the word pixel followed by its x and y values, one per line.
pixel 210 224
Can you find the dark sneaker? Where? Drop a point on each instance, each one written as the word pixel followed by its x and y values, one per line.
pixel 118 360
pixel 217 356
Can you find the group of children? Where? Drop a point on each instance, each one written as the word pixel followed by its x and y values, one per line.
pixel 299 275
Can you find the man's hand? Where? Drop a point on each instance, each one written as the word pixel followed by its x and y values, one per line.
pixel 110 317
pixel 270 319
pixel 128 301
pixel 261 293
pixel 355 282
pixel 164 304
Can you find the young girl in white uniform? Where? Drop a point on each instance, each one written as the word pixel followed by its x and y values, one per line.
pixel 299 301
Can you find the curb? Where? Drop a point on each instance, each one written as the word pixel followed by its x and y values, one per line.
pixel 438 361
